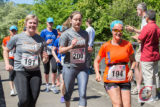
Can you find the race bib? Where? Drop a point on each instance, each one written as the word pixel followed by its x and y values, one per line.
pixel 77 55
pixel 11 54
pixel 49 50
pixel 117 73
pixel 29 61
pixel 62 60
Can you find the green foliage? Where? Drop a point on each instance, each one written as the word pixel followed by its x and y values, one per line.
pixel 58 9
pixel 10 14
pixel 102 13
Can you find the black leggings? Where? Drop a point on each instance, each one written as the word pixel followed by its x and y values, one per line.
pixel 28 87
pixel 53 64
pixel 11 73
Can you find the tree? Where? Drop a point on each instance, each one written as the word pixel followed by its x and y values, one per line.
pixel 58 9
pixel 10 14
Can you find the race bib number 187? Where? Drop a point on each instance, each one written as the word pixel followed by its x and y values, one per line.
pixel 117 73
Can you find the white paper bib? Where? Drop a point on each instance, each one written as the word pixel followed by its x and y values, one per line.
pixel 117 73
pixel 29 61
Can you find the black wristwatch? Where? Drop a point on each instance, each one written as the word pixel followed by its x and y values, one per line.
pixel 132 70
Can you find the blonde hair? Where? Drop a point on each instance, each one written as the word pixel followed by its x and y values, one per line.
pixel 67 23
pixel 30 16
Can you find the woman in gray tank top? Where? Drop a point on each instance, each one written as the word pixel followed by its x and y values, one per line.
pixel 74 44
pixel 29 47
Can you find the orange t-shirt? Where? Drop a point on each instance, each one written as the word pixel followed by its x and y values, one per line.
pixel 5 41
pixel 116 54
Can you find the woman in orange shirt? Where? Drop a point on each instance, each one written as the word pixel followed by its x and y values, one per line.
pixel 117 75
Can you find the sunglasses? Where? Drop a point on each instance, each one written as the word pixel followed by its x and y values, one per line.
pixel 117 30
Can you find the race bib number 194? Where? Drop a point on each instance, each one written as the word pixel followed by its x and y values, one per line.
pixel 117 73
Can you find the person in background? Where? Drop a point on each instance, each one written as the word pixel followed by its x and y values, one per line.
pixel 49 35
pixel 149 39
pixel 13 31
pixel 91 33
pixel 60 61
pixel 141 12
pixel 117 75
pixel 28 48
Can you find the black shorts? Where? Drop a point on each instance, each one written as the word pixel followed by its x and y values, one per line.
pixel 59 68
pixel 11 73
pixel 53 65
pixel 122 86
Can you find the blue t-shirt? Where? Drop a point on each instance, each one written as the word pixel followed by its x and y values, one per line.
pixel 56 44
pixel 45 34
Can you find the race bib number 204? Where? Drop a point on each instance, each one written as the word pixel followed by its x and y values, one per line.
pixel 77 55
pixel 117 73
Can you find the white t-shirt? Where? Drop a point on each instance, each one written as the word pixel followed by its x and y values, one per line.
pixel 91 33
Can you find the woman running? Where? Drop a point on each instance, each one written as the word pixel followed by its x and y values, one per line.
pixel 117 75
pixel 74 43
pixel 28 48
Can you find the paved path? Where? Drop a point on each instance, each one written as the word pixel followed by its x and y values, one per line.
pixel 96 96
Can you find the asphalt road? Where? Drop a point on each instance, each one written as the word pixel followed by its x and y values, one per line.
pixel 96 95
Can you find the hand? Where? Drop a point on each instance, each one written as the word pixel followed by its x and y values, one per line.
pixel 45 57
pixel 90 49
pixel 9 67
pixel 57 60
pixel 98 77
pixel 130 75
pixel 129 28
pixel 49 41
pixel 73 43
pixel 135 36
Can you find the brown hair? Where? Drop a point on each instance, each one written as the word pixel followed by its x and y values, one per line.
pixel 67 23
pixel 31 16
pixel 74 13
pixel 89 21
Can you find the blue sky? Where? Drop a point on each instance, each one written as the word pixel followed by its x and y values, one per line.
pixel 23 1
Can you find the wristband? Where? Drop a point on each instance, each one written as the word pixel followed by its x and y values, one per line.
pixel 132 70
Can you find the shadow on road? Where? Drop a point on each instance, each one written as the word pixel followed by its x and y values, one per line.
pixel 88 97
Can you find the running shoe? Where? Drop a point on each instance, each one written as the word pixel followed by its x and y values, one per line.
pixel 47 88
pixel 134 91
pixel 54 90
pixel 12 93
pixel 62 100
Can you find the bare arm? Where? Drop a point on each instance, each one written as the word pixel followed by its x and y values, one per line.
pixel 66 49
pixel 54 54
pixel 96 68
pixel 136 38
pixel 6 58
pixel 132 29
pixel 133 64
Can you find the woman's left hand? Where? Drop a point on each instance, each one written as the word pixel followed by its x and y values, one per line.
pixel 45 57
pixel 130 75
pixel 90 49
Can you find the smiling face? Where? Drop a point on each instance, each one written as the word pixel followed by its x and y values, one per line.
pixel 117 32
pixel 76 21
pixel 31 25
